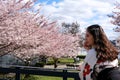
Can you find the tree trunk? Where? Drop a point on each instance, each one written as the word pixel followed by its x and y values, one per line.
pixel 55 62
pixel 26 75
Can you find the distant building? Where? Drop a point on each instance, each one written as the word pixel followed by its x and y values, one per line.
pixel 82 51
pixel 113 42
pixel 116 43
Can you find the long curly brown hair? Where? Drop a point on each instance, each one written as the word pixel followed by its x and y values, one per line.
pixel 104 48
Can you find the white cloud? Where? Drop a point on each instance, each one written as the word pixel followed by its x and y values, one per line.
pixel 85 12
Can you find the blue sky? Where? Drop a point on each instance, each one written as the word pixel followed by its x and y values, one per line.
pixel 49 1
pixel 85 12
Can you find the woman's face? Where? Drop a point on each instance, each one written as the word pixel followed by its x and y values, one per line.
pixel 89 39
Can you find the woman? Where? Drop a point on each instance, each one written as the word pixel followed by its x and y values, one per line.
pixel 102 55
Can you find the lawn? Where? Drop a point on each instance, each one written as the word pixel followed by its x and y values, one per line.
pixel 35 77
pixel 66 60
pixel 61 60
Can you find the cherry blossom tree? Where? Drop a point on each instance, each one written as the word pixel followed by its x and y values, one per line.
pixel 116 21
pixel 27 34
pixel 51 43
pixel 16 23
pixel 116 17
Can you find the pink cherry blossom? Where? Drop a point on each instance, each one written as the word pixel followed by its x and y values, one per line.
pixel 25 33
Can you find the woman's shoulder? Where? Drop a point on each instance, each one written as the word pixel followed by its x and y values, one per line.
pixel 113 63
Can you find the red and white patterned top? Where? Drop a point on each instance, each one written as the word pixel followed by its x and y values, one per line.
pixel 89 62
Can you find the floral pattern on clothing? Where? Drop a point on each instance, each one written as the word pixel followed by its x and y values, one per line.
pixel 99 61
pixel 86 70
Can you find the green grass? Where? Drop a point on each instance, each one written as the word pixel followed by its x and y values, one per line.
pixel 66 60
pixel 35 77
pixel 61 60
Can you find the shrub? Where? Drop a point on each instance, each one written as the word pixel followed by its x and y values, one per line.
pixel 50 63
pixel 81 56
pixel 40 64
